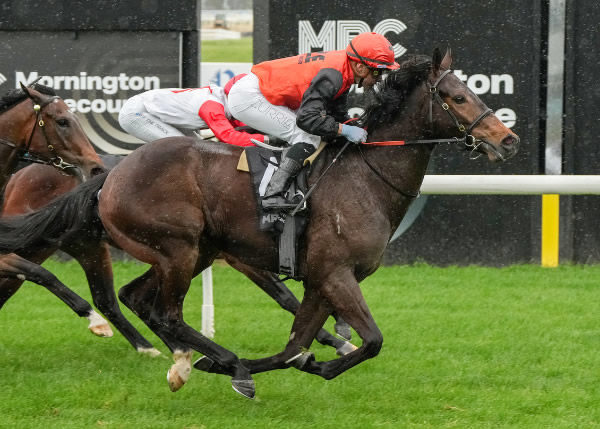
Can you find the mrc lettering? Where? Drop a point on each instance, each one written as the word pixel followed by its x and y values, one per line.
pixel 336 34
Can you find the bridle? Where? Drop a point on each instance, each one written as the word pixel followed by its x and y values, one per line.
pixel 470 141
pixel 26 155
pixel 467 138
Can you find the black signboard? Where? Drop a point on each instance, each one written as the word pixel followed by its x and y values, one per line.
pixel 497 52
pixel 78 15
pixel 580 234
pixel 95 72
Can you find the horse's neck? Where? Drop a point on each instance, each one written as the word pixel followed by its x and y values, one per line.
pixel 9 161
pixel 15 126
pixel 402 167
pixel 410 123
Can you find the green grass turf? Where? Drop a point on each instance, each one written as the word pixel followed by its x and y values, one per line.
pixel 465 347
pixel 235 50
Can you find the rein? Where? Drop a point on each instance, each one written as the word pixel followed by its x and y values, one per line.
pixel 467 138
pixel 29 156
pixel 386 181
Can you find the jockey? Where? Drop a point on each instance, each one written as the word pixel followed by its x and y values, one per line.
pixel 169 112
pixel 295 99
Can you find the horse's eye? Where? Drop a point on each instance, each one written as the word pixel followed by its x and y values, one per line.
pixel 62 122
pixel 459 99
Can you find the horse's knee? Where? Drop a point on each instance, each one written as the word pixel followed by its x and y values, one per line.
pixel 123 296
pixel 105 304
pixel 133 303
pixel 372 343
pixel 133 294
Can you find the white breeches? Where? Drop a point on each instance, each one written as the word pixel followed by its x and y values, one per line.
pixel 135 119
pixel 247 104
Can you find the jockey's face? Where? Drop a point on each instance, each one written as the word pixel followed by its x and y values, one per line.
pixel 365 75
pixel 373 77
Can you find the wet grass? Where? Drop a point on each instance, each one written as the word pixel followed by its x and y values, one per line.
pixel 473 347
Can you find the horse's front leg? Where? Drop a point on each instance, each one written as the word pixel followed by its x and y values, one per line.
pixel 341 291
pixel 18 269
pixel 311 315
pixel 276 289
pixel 95 259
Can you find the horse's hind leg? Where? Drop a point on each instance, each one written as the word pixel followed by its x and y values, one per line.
pixel 157 298
pixel 8 287
pixel 18 269
pixel 276 289
pixel 96 262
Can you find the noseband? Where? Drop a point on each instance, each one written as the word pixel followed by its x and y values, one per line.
pixel 26 154
pixel 468 139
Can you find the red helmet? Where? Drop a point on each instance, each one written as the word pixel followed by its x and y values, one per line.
pixel 233 80
pixel 372 49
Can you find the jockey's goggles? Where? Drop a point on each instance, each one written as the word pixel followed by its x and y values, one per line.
pixel 377 72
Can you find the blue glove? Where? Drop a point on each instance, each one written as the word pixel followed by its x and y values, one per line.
pixel 354 134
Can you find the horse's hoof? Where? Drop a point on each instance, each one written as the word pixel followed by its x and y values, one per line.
pixel 102 330
pixel 343 330
pixel 244 387
pixel 98 325
pixel 346 348
pixel 204 364
pixel 300 360
pixel 179 373
pixel 175 380
pixel 150 351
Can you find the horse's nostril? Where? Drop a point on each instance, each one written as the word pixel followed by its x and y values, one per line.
pixel 97 170
pixel 510 140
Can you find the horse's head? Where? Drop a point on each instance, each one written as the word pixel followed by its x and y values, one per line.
pixel 57 135
pixel 455 108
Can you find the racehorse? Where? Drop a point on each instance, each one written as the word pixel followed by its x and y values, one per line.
pixel 37 126
pixel 41 128
pixel 177 204
pixel 36 185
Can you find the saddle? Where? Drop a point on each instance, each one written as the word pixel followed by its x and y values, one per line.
pixel 285 228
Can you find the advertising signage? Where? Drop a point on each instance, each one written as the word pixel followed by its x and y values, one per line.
pixel 95 72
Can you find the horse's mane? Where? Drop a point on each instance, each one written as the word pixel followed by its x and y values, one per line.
pixel 15 96
pixel 388 97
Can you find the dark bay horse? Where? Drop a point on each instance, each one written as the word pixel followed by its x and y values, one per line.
pixel 177 204
pixel 37 126
pixel 35 186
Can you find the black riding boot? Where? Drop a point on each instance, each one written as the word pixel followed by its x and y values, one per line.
pixel 289 166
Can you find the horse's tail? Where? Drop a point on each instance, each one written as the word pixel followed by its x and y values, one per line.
pixel 72 213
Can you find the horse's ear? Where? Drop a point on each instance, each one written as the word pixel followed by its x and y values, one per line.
pixel 37 97
pixel 446 63
pixel 25 89
pixel 436 60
